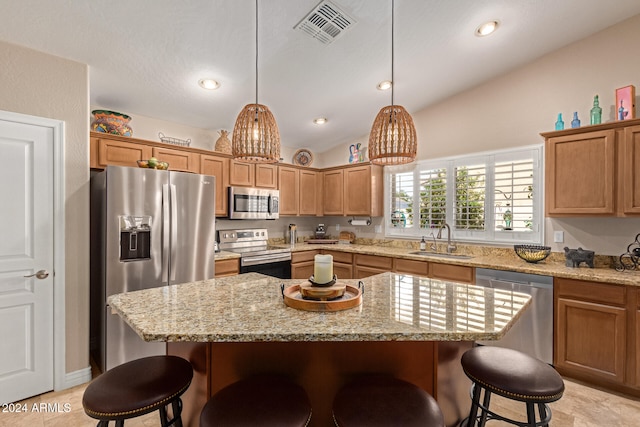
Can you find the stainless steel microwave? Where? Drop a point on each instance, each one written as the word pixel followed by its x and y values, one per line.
pixel 253 203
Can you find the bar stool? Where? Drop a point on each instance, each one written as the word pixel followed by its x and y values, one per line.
pixel 265 401
pixel 377 401
pixel 139 387
pixel 513 375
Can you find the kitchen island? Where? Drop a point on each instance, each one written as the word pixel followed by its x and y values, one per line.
pixel 411 327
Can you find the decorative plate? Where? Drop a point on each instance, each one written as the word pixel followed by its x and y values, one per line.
pixel 303 157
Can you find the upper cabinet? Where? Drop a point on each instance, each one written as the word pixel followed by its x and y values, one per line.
pixel 253 175
pixel 593 171
pixel 299 191
pixel 107 151
pixel 218 167
pixel 353 190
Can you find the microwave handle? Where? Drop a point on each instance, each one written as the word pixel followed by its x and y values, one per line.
pixel 270 205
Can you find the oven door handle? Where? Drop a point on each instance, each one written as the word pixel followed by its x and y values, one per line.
pixel 264 259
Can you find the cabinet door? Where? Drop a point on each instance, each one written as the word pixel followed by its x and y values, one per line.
pixel 457 273
pixel 630 182
pixel 266 176
pixel 227 267
pixel 590 339
pixel 302 270
pixel 411 266
pixel 93 152
pixel 333 187
pixel 357 191
pixel 637 338
pixel 120 153
pixel 183 161
pixel 580 174
pixel 288 183
pixel 241 174
pixel 218 167
pixel 342 270
pixel 308 193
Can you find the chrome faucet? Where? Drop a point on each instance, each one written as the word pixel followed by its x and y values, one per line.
pixel 451 247
pixel 434 245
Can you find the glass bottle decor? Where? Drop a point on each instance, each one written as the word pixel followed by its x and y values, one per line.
pixel 507 216
pixel 559 122
pixel 596 112
pixel 575 123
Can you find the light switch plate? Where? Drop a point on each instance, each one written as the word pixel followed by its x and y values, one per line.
pixel 558 237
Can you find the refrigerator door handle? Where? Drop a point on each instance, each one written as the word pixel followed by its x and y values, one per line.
pixel 174 233
pixel 165 233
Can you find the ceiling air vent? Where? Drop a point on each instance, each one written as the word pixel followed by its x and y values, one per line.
pixel 326 22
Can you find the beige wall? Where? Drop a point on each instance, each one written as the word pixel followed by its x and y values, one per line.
pixel 513 109
pixel 42 85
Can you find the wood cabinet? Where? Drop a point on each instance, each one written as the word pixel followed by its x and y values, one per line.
pixel 635 332
pixel 594 170
pixel 118 153
pixel 332 192
pixel 342 263
pixel 289 186
pixel 253 175
pixel 591 330
pixel 368 265
pixel 353 190
pixel 227 267
pixel 411 266
pixel 302 264
pixel 218 167
pixel 179 160
pixel 457 273
pixel 299 191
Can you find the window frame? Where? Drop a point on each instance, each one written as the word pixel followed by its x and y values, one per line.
pixel 489 159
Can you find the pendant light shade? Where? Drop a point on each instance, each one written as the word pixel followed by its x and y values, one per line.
pixel 255 135
pixel 256 138
pixel 393 139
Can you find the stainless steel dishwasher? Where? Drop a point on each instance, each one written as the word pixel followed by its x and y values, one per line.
pixel 533 332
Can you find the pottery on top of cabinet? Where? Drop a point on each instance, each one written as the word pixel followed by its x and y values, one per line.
pixel 112 122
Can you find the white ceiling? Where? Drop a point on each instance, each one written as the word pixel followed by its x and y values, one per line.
pixel 146 56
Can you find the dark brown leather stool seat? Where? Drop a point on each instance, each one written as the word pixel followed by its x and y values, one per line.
pixel 265 401
pixel 514 375
pixel 137 388
pixel 376 401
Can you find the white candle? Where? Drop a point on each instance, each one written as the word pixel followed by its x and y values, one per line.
pixel 323 269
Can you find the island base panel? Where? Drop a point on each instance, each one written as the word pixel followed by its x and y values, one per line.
pixel 194 399
pixel 452 385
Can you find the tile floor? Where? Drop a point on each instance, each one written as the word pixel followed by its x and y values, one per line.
pixel 580 406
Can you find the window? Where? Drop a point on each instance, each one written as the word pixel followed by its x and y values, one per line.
pixel 492 196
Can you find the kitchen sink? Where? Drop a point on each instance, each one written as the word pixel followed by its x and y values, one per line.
pixel 440 255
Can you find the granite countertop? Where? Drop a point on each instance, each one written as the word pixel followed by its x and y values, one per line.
pixel 489 257
pixel 250 307
pixel 222 255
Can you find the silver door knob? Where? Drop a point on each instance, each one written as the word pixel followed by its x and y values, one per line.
pixel 42 274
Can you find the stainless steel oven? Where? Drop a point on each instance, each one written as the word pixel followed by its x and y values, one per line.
pixel 253 203
pixel 256 255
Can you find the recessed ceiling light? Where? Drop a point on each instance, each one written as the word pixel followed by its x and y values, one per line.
pixel 486 28
pixel 320 120
pixel 385 85
pixel 209 84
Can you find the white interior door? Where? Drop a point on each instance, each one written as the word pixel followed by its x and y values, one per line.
pixel 26 248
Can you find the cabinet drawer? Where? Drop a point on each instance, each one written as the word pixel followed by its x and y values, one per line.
pixel 379 262
pixel 303 256
pixel 591 291
pixel 343 257
pixel 227 267
pixel 412 266
pixel 457 273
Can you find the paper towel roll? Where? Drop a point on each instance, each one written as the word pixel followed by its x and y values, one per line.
pixel 359 222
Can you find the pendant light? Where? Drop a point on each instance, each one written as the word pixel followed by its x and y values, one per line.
pixel 392 140
pixel 255 135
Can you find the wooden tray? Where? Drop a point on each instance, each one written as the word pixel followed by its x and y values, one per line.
pixel 293 298
pixel 322 293
pixel 321 241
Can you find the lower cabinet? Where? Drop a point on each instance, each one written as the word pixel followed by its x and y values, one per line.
pixel 457 273
pixel 227 267
pixel 411 266
pixel 368 265
pixel 591 331
pixel 302 264
pixel 342 264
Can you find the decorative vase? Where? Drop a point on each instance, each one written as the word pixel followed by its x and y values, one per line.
pixel 223 144
pixel 111 122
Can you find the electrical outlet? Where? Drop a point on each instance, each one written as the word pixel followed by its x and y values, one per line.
pixel 337 227
pixel 378 228
pixel 558 237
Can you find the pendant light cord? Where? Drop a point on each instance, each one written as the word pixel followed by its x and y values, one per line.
pixel 257 53
pixel 393 81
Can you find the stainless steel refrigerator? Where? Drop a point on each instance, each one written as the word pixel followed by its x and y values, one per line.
pixel 149 228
